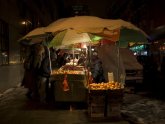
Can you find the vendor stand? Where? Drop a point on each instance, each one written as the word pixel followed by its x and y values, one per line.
pixel 105 99
pixel 69 85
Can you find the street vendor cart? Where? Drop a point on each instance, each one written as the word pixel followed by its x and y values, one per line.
pixel 69 85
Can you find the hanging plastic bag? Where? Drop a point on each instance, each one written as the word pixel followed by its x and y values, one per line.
pixel 65 84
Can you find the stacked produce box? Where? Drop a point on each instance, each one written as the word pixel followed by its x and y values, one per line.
pixel 96 103
pixel 104 100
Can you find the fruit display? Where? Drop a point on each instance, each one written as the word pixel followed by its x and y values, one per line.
pixel 69 69
pixel 66 72
pixel 106 86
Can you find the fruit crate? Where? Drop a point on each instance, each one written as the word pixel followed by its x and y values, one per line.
pixel 96 110
pixel 105 103
pixel 115 96
pixel 96 103
pixel 113 110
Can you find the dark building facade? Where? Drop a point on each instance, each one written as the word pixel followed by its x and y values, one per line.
pixel 145 14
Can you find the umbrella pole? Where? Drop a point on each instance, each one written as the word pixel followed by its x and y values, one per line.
pixel 90 53
pixel 50 64
pixel 89 65
pixel 73 54
pixel 118 60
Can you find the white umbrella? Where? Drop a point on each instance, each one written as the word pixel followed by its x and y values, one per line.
pixel 37 35
pixel 115 30
pixel 88 24
pixel 40 31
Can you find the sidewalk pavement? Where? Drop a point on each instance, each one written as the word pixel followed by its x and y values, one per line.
pixel 10 76
pixel 15 108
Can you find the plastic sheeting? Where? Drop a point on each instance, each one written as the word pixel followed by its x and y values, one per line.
pixel 129 60
pixel 111 61
pixel 117 60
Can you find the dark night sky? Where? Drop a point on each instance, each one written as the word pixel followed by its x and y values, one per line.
pixel 148 13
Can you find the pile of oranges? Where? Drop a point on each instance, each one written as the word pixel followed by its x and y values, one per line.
pixel 66 72
pixel 106 86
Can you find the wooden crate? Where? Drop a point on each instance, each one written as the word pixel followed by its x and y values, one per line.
pixel 113 110
pixel 113 103
pixel 96 103
pixel 115 96
pixel 105 103
pixel 96 110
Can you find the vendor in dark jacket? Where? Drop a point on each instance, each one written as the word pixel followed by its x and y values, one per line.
pixel 97 69
pixel 43 76
pixel 31 65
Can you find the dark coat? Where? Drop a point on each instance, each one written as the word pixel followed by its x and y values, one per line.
pixel 97 70
pixel 29 78
pixel 45 69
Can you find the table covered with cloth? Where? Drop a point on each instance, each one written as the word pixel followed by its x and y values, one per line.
pixel 69 87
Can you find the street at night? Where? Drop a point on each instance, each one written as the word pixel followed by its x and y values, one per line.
pixel 82 62
pixel 136 109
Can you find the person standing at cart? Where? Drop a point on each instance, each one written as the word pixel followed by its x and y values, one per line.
pixel 97 69
pixel 61 58
pixel 31 65
pixel 53 57
pixel 82 60
pixel 44 73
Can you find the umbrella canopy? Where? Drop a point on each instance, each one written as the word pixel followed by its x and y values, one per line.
pixel 40 31
pixel 158 33
pixel 115 30
pixel 70 36
pixel 88 24
pixel 129 35
pixel 37 35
